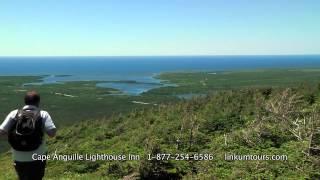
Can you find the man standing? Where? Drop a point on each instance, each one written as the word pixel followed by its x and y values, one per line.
pixel 25 129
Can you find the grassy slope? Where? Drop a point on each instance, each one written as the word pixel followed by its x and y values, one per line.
pixel 157 129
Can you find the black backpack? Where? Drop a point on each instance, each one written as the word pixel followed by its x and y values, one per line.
pixel 26 133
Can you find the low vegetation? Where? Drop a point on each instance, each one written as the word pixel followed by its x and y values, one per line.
pixel 261 120
pixel 250 121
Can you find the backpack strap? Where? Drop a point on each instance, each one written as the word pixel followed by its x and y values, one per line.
pixel 19 113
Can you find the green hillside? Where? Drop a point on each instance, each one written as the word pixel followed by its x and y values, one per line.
pixel 250 121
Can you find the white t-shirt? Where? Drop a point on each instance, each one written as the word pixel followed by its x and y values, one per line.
pixel 26 156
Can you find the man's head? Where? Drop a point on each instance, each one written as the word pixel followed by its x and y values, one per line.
pixel 32 98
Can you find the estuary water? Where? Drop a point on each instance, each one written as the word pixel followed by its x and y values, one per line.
pixel 134 75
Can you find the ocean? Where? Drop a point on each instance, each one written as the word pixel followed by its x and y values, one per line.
pixel 140 69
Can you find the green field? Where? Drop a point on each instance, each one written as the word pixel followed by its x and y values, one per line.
pixel 91 102
pixel 203 82
pixel 244 112
pixel 71 102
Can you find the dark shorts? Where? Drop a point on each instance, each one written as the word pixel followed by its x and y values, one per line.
pixel 30 170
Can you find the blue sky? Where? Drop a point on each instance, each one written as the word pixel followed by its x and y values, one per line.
pixel 158 27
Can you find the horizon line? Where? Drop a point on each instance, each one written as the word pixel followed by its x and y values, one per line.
pixel 203 55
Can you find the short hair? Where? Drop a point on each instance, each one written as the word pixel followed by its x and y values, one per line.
pixel 32 98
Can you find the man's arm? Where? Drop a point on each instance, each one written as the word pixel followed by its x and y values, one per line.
pixel 7 124
pixel 50 128
pixel 52 132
